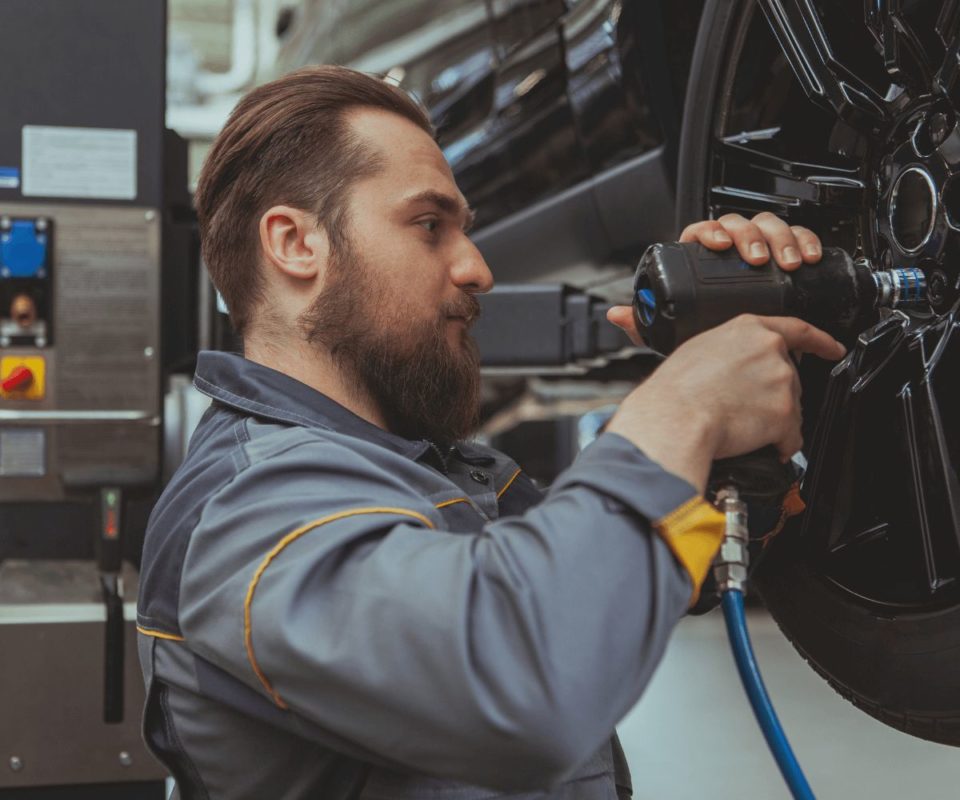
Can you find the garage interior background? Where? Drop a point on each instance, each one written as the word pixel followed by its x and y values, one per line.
pixel 109 350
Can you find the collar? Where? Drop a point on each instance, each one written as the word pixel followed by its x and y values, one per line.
pixel 257 390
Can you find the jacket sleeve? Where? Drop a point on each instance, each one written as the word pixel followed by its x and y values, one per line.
pixel 507 657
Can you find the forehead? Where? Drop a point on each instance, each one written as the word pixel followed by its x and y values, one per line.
pixel 411 161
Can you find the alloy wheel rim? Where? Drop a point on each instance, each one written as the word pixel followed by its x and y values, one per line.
pixel 883 519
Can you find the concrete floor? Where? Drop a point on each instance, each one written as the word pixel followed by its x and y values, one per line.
pixel 693 736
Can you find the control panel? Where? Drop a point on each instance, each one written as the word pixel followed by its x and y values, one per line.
pixel 26 246
pixel 79 348
pixel 88 182
pixel 26 277
pixel 84 193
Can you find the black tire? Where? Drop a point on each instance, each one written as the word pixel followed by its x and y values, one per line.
pixel 898 665
pixel 706 70
pixel 900 669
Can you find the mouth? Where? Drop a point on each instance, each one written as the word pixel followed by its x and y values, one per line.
pixel 467 311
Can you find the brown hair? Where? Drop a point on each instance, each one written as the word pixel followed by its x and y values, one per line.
pixel 286 142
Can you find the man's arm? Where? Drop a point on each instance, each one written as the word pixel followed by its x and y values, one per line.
pixel 321 580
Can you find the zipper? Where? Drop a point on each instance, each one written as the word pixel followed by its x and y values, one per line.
pixel 444 457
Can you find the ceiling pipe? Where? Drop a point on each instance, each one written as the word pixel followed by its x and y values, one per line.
pixel 243 54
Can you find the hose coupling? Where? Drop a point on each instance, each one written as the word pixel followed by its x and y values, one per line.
pixel 733 560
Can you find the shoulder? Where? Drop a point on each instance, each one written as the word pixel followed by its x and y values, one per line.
pixel 274 446
pixel 516 491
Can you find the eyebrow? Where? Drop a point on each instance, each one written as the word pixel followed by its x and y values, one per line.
pixel 446 203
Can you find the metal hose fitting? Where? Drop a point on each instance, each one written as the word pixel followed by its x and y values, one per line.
pixel 730 566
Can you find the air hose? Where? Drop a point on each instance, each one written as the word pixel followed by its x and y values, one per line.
pixel 731 572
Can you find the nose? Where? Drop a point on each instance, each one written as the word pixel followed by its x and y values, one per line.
pixel 470 271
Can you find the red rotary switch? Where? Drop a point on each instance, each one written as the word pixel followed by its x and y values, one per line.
pixel 19 378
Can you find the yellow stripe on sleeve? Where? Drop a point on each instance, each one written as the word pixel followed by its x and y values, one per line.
pixel 693 532
pixel 159 634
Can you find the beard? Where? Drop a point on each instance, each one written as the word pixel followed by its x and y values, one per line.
pixel 424 387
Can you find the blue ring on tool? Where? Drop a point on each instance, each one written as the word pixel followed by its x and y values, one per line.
pixel 646 306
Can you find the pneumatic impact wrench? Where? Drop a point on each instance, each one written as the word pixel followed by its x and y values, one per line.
pixel 684 289
pixel 681 290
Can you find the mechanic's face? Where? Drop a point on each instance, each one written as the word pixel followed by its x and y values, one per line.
pixel 396 307
pixel 408 221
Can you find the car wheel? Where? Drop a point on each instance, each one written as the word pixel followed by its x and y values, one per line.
pixel 843 118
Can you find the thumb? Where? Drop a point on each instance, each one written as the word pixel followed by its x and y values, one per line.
pixel 622 317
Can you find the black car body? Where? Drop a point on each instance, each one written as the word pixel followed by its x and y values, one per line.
pixel 560 118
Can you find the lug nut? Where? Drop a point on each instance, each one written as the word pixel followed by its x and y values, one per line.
pixel 937 287
pixel 939 127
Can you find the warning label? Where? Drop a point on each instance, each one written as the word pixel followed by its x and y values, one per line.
pixel 98 163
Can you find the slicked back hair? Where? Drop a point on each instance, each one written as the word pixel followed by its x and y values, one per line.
pixel 287 142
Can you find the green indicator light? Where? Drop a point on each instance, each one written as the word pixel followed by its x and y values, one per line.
pixel 111 498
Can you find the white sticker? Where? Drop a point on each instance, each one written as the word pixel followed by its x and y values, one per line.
pixel 22 453
pixel 79 162
pixel 9 178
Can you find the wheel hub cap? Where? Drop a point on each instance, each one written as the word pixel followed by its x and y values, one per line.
pixel 913 209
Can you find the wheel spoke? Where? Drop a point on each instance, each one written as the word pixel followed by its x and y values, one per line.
pixel 882 493
pixel 825 80
pixel 847 449
pixel 747 178
pixel 935 490
pixel 947 79
pixel 903 53
pixel 948 21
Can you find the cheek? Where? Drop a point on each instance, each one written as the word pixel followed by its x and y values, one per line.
pixel 409 269
pixel 402 308
pixel 418 291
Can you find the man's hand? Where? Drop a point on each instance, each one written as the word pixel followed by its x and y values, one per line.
pixel 755 239
pixel 732 389
pixel 728 391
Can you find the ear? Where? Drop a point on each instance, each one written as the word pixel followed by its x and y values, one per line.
pixel 291 242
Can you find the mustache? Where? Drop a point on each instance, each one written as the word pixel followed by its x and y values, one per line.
pixel 466 306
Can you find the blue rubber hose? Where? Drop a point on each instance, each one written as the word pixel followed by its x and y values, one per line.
pixel 733 614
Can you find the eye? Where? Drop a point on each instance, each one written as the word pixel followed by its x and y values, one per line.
pixel 430 224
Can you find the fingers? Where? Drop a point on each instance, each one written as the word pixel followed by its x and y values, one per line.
pixel 804 337
pixel 747 237
pixel 710 233
pixel 809 243
pixel 791 246
pixel 622 317
pixel 781 239
pixel 758 238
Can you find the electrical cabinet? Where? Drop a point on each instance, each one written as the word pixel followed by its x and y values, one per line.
pixel 84 184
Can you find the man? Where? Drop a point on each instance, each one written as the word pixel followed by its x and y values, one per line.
pixel 342 598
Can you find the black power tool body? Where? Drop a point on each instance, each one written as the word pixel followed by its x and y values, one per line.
pixel 683 289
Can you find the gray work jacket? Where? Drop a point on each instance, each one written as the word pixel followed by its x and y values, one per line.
pixel 328 610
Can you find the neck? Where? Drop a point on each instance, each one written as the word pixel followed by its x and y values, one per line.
pixel 316 369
